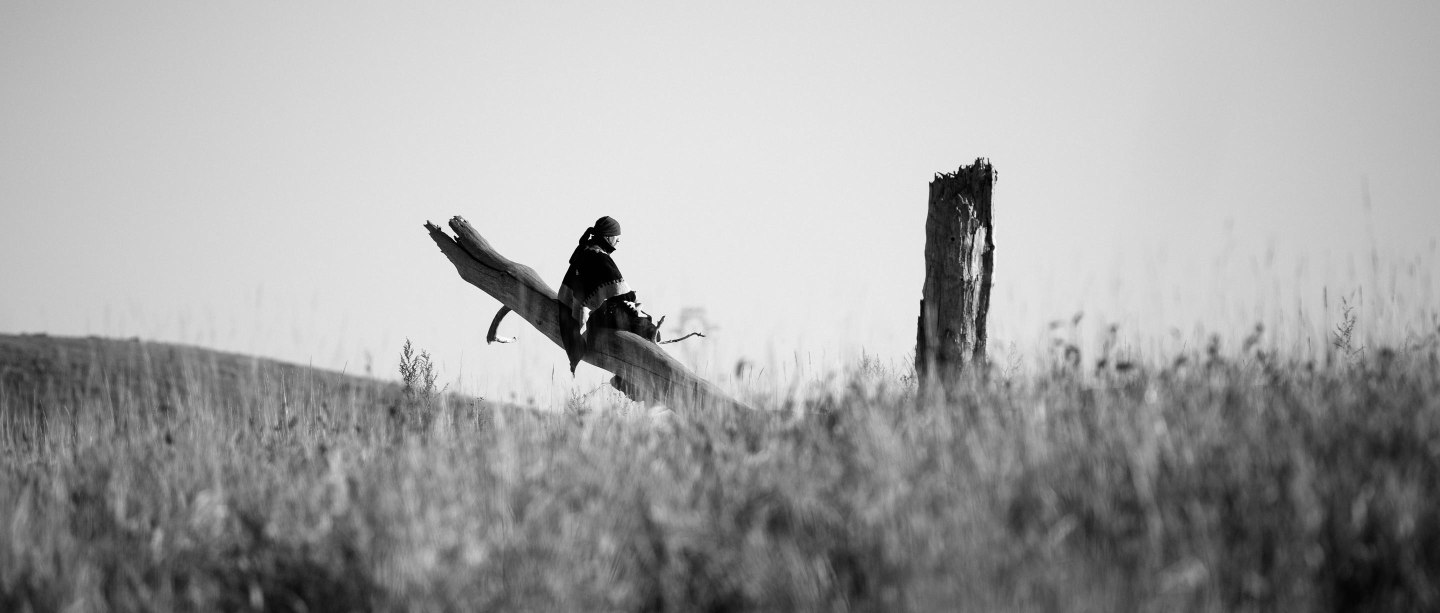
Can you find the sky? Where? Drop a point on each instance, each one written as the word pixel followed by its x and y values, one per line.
pixel 254 176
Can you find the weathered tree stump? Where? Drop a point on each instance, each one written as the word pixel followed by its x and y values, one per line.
pixel 959 266
pixel 641 363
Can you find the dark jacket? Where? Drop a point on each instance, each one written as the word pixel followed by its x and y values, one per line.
pixel 592 279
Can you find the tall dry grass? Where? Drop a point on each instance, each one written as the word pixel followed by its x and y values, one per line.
pixel 1216 482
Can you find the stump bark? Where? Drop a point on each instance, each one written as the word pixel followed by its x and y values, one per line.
pixel 654 374
pixel 959 267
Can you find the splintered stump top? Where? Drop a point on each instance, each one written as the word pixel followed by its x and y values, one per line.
pixel 959 267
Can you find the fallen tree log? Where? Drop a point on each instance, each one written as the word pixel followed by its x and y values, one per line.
pixel 641 363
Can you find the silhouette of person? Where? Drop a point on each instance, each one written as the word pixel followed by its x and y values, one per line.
pixel 593 282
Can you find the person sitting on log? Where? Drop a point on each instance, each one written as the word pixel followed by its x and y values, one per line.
pixel 593 282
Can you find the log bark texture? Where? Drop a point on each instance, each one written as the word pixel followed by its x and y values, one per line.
pixel 959 268
pixel 639 362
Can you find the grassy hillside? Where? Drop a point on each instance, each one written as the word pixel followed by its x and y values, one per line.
pixel 40 371
pixel 148 477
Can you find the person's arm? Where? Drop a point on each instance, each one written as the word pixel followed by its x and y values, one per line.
pixel 609 283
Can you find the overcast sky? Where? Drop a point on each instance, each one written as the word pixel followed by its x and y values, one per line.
pixel 253 176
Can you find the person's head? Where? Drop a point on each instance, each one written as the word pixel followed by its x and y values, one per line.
pixel 607 230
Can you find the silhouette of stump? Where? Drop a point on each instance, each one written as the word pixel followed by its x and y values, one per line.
pixel 959 267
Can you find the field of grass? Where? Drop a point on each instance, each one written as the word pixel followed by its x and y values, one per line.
pixel 138 476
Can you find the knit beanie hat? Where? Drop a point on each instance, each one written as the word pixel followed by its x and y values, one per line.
pixel 606 226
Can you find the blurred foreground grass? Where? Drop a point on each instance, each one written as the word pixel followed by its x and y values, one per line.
pixel 148 477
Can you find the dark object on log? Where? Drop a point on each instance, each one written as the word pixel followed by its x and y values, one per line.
pixel 617 314
pixel 651 374
pixel 959 267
